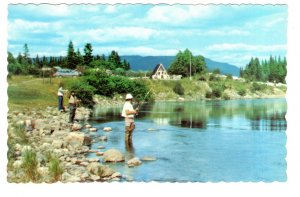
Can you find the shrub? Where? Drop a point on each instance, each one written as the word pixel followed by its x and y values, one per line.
pixel 108 85
pixel 241 91
pixel 84 92
pixel 55 168
pixel 178 89
pixel 20 134
pixel 30 165
pixel 229 76
pixel 213 77
pixel 258 87
pixel 217 90
pixel 202 78
pixel 208 95
pixel 216 71
pixel 226 96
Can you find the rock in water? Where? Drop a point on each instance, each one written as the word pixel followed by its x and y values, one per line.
pixel 134 162
pixel 113 155
pixel 93 129
pixel 88 126
pixel 103 138
pixel 148 158
pixel 107 171
pixel 107 129
pixel 94 168
pixel 76 127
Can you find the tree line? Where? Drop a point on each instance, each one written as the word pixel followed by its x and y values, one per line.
pixel 273 70
pixel 24 64
pixel 185 64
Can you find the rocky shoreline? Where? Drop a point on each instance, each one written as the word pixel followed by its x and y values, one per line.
pixel 48 132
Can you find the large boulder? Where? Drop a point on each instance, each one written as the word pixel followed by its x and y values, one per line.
pixel 113 155
pixel 106 171
pixel 134 162
pixel 78 139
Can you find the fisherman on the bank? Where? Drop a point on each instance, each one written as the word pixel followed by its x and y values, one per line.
pixel 128 113
pixel 60 95
pixel 73 102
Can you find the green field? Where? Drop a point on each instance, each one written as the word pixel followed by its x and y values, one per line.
pixel 26 92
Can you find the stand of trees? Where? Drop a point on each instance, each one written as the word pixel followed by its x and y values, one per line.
pixel 271 70
pixel 23 64
pixel 181 65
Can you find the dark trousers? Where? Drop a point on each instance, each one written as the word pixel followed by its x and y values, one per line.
pixel 60 103
pixel 72 113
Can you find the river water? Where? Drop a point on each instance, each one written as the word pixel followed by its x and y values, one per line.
pixel 200 141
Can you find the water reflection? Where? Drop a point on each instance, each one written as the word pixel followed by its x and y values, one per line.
pixel 259 114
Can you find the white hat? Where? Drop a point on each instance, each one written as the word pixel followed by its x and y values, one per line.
pixel 129 96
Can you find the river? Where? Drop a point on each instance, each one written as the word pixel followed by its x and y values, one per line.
pixel 200 141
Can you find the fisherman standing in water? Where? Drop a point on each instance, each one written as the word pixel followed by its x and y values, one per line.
pixel 128 113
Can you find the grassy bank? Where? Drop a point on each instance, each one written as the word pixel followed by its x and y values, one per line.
pixel 27 93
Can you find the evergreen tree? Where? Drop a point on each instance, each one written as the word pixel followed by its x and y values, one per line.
pixel 71 56
pixel 115 60
pixel 88 57
pixel 10 58
pixel 79 58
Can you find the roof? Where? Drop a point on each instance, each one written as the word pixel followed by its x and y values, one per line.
pixel 156 68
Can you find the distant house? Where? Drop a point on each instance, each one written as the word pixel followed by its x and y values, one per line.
pixel 160 72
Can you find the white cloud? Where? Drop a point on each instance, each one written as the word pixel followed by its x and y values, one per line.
pixel 110 9
pixel 267 21
pixel 116 34
pixel 245 47
pixel 139 50
pixel 176 14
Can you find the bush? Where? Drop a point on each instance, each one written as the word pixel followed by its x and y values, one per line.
pixel 108 85
pixel 30 165
pixel 226 96
pixel 55 168
pixel 20 134
pixel 229 77
pixel 216 71
pixel 217 90
pixel 202 78
pixel 213 77
pixel 84 92
pixel 178 89
pixel 208 95
pixel 242 91
pixel 258 87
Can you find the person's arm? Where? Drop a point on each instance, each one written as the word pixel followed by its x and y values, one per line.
pixel 129 112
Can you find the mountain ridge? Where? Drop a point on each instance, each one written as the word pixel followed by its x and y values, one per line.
pixel 144 63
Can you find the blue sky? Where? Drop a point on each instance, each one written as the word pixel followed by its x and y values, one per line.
pixel 231 34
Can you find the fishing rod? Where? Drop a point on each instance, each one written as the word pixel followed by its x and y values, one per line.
pixel 139 104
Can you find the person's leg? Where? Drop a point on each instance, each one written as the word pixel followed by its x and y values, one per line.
pixel 59 103
pixel 72 114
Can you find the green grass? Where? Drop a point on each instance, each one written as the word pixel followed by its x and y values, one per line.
pixel 27 93
pixel 30 165
pixel 55 168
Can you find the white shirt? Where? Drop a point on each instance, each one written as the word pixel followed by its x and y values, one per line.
pixel 127 106
pixel 60 92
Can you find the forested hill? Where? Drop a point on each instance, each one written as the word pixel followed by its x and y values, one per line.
pixel 149 62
